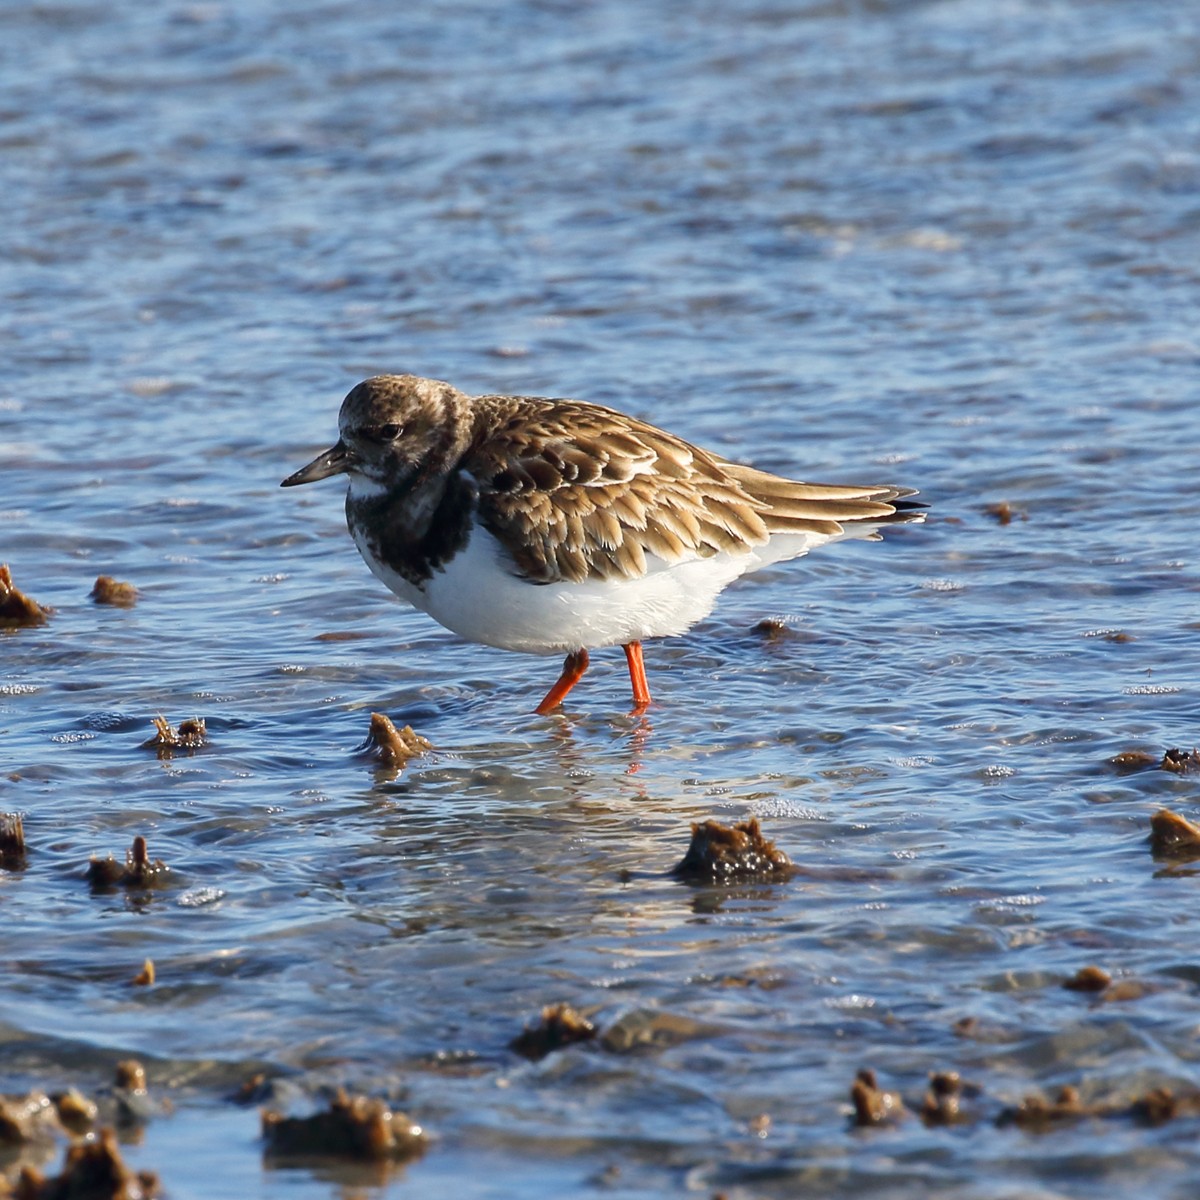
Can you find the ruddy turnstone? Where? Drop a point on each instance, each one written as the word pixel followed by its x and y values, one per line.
pixel 557 526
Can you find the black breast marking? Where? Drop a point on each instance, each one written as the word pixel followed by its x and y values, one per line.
pixel 395 539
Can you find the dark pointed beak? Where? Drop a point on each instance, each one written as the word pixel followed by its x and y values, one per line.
pixel 335 461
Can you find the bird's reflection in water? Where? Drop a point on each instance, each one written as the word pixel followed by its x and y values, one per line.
pixel 639 738
pixel 576 760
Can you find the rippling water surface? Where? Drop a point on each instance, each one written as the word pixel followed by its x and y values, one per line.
pixel 947 245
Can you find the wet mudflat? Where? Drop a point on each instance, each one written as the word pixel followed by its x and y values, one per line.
pixel 949 246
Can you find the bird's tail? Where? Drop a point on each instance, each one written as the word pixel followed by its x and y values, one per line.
pixel 826 511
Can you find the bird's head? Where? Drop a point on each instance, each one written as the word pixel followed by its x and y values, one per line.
pixel 392 428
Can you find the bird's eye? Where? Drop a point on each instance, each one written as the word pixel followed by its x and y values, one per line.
pixel 389 433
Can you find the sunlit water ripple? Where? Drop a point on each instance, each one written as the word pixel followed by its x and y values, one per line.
pixel 947 245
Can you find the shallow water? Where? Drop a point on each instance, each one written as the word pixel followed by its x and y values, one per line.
pixel 947 245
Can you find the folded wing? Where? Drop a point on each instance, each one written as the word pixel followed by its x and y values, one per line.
pixel 576 492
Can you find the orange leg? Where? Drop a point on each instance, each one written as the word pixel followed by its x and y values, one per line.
pixel 637 676
pixel 572 673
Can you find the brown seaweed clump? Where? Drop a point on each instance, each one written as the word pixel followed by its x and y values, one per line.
pixel 1161 1104
pixel 1004 512
pixel 1178 762
pixel 27 1119
pixel 76 1112
pixel 394 747
pixel 1155 1107
pixel 1174 836
pixel 558 1026
pixel 130 1076
pixel 1134 760
pixel 12 841
pixel 1088 979
pixel 38 1118
pixel 17 609
pixel 943 1100
pixel 773 631
pixel 723 854
pixel 355 1127
pixel 137 871
pixel 1181 762
pixel 108 590
pixel 1038 1114
pixel 134 1105
pixel 873 1105
pixel 190 735
pixel 1100 982
pixel 145 977
pixel 93 1170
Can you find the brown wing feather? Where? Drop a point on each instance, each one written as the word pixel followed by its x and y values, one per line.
pixel 574 491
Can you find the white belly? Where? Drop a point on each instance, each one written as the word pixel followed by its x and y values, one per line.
pixel 478 597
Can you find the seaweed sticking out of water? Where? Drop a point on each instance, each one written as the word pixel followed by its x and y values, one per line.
pixel 138 871
pixel 145 977
pixel 76 1112
pixel 773 631
pixel 1178 762
pixel 190 735
pixel 1038 1114
pixel 1155 1107
pixel 1173 836
pixel 942 1103
pixel 131 1075
pixel 31 1124
pixel 1129 761
pixel 738 854
pixel 872 1104
pixel 1088 979
pixel 25 1120
pixel 107 590
pixel 1004 512
pixel 12 842
pixel 1181 762
pixel 1161 1104
pixel 392 747
pixel 559 1025
pixel 38 1117
pixel 130 1093
pixel 1100 983
pixel 93 1170
pixel 18 610
pixel 353 1127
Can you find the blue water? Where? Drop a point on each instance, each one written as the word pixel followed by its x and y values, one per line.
pixel 945 245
